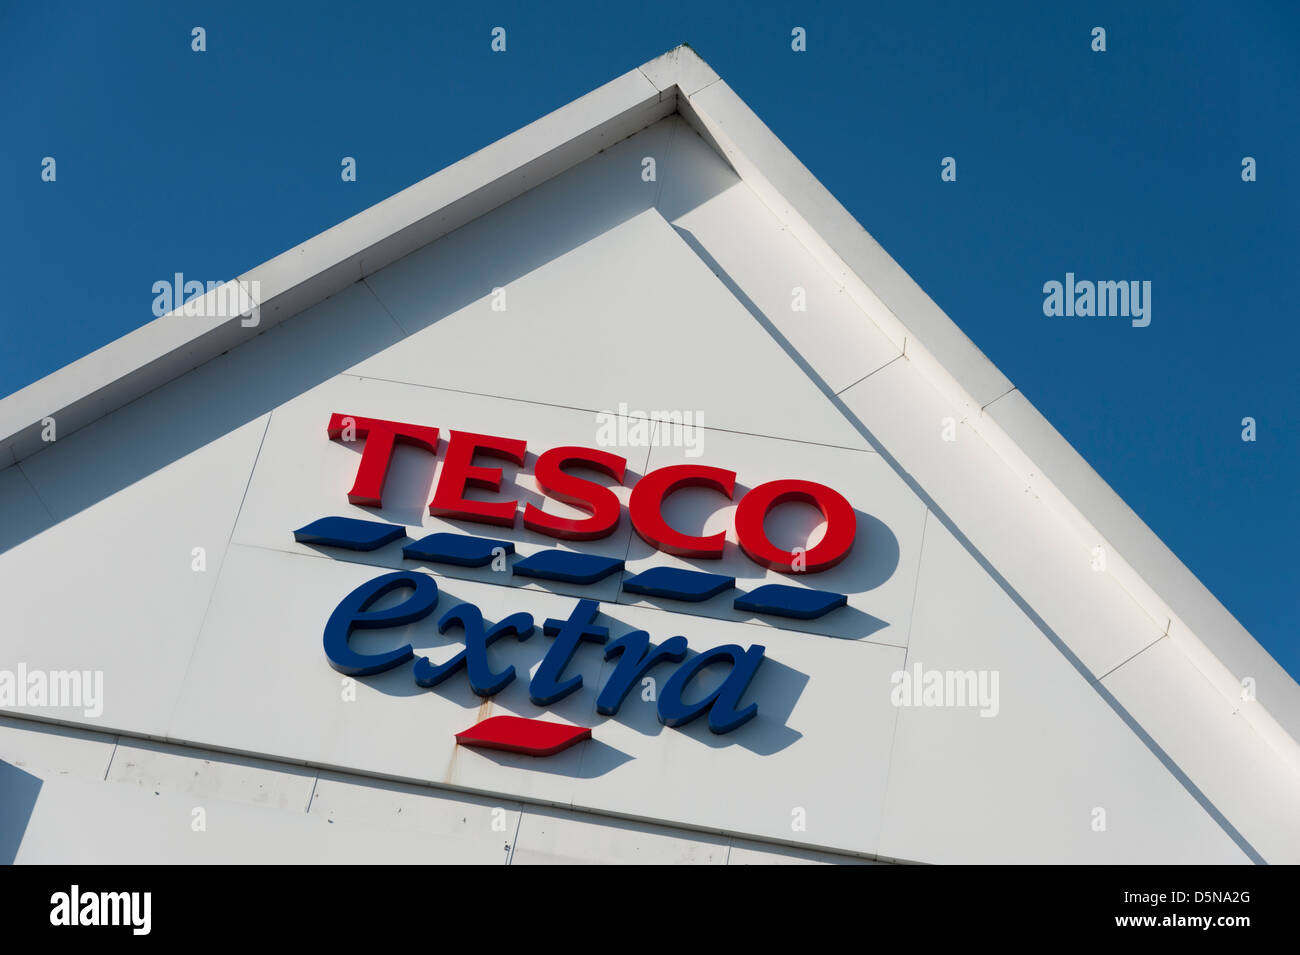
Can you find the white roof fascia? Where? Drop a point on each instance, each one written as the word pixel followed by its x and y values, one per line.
pixel 1220 647
pixel 169 346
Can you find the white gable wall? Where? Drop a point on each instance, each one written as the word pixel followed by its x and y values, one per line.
pixel 666 295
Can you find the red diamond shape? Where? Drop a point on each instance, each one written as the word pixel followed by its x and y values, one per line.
pixel 514 734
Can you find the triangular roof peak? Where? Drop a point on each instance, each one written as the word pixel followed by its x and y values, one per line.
pixel 681 82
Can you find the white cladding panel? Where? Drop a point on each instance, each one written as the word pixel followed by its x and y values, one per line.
pixel 620 294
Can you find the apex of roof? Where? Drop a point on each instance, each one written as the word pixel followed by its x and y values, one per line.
pixel 680 71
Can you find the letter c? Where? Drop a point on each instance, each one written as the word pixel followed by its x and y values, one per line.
pixel 646 507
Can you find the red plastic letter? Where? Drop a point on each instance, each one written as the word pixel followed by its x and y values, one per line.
pixel 647 503
pixel 596 499
pixel 459 472
pixel 841 525
pixel 380 437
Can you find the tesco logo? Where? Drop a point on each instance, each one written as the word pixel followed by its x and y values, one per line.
pixel 463 467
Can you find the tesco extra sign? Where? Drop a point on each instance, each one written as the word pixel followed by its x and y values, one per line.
pixel 465 466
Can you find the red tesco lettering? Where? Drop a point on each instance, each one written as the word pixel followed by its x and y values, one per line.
pixel 463 468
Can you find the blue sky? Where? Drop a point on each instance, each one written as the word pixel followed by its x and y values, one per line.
pixel 1117 165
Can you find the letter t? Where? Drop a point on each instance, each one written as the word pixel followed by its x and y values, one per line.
pixel 546 687
pixel 380 438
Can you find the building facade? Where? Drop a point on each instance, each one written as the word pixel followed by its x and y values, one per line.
pixel 609 496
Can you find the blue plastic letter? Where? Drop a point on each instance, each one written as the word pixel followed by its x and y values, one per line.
pixel 546 687
pixel 482 679
pixel 636 657
pixel 351 613
pixel 722 702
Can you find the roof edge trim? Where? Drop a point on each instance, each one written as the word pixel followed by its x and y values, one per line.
pixel 1220 648
pixel 167 347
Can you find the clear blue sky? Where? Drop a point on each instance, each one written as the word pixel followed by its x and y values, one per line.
pixel 1117 165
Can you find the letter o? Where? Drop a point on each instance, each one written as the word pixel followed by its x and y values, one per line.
pixel 841 524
